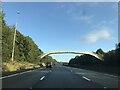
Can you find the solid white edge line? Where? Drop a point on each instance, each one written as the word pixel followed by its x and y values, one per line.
pixel 86 78
pixel 25 72
pixel 110 75
pixel 42 78
pixel 8 76
pixel 14 74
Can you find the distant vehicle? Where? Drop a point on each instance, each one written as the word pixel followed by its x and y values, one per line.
pixel 65 64
pixel 49 65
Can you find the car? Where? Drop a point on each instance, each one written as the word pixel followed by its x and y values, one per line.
pixel 48 65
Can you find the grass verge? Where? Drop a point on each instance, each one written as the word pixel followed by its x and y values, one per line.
pixel 17 65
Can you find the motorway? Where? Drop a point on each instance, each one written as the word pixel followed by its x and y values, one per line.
pixel 60 77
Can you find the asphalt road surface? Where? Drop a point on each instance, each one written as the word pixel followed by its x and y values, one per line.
pixel 60 77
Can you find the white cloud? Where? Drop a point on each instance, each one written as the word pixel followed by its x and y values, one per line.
pixel 84 18
pixel 104 23
pixel 77 13
pixel 96 35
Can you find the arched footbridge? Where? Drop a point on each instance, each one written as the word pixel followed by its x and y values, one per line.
pixel 73 52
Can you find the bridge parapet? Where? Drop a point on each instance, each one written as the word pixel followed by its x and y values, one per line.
pixel 73 52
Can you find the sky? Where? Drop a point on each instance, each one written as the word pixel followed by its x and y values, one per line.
pixel 71 26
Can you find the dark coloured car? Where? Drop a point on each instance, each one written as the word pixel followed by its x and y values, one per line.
pixel 48 65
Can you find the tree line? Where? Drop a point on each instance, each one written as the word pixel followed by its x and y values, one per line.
pixel 111 58
pixel 25 47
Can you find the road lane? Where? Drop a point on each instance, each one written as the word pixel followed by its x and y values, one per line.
pixel 61 77
pixel 106 80
pixel 25 80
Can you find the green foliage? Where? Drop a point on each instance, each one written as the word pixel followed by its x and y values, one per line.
pixel 111 58
pixel 2 21
pixel 48 59
pixel 100 51
pixel 7 39
pixel 25 48
pixel 118 45
pixel 22 45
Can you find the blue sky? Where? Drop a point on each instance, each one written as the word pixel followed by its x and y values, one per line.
pixel 66 26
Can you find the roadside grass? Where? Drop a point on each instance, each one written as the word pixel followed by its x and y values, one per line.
pixel 17 65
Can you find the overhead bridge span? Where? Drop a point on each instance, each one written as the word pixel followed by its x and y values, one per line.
pixel 73 52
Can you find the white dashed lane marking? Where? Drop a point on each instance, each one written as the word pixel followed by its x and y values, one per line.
pixel 105 87
pixel 42 78
pixel 86 78
pixel 30 88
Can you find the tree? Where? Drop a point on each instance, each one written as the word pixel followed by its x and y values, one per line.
pixel 100 53
pixel 7 39
pixel 25 48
